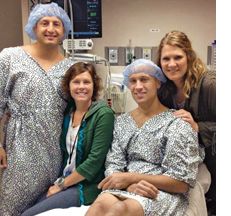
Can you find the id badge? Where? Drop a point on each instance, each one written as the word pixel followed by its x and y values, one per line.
pixel 67 173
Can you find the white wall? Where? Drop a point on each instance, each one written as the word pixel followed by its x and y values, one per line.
pixel 125 20
pixel 132 19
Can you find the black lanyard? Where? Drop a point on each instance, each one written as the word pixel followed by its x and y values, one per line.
pixel 73 147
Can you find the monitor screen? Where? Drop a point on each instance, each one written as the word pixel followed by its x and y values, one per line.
pixel 87 17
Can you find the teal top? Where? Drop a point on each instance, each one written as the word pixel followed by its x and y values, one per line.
pixel 94 140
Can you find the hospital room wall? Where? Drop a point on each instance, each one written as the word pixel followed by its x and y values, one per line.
pixel 10 24
pixel 125 20
pixel 11 28
pixel 133 19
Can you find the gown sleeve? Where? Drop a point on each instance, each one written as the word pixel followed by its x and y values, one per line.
pixel 4 74
pixel 116 158
pixel 182 157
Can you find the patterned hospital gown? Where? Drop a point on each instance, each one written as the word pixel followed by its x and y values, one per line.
pixel 164 145
pixel 34 99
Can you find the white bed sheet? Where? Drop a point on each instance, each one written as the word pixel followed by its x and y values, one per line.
pixel 197 203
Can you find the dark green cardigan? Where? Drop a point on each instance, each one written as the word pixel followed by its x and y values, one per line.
pixel 94 140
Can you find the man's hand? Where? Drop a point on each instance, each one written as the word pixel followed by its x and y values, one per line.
pixel 118 180
pixel 144 189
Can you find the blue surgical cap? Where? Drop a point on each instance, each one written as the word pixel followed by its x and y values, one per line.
pixel 143 66
pixel 43 10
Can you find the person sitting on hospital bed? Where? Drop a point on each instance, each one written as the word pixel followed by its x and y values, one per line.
pixel 153 160
pixel 154 156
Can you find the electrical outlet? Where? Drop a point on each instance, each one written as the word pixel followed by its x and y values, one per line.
pixel 147 53
pixel 113 55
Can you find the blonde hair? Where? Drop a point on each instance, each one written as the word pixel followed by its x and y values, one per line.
pixel 196 68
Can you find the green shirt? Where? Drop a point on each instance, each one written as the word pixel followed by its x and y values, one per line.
pixel 94 140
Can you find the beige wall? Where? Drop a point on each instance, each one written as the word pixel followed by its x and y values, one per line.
pixel 125 20
pixel 11 27
pixel 132 19
pixel 10 23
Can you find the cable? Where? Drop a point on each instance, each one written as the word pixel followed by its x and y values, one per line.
pixel 72 29
pixel 89 57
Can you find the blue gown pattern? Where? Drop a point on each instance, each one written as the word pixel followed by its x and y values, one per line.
pixel 34 99
pixel 164 145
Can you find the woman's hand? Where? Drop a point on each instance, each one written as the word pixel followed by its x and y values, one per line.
pixel 186 116
pixel 144 189
pixel 53 190
pixel 3 159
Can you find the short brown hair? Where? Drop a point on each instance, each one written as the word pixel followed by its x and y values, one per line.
pixel 76 69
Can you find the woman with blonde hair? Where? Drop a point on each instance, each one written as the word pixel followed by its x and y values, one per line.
pixel 190 89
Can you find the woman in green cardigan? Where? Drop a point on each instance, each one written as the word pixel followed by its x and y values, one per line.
pixel 85 141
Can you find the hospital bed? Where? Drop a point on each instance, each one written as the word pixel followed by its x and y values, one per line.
pixel 197 204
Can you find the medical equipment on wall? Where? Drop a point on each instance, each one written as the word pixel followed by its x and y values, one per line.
pixel 86 20
pixel 118 93
pixel 114 90
pixel 78 44
pixel 211 57
pixel 74 47
pixel 87 57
